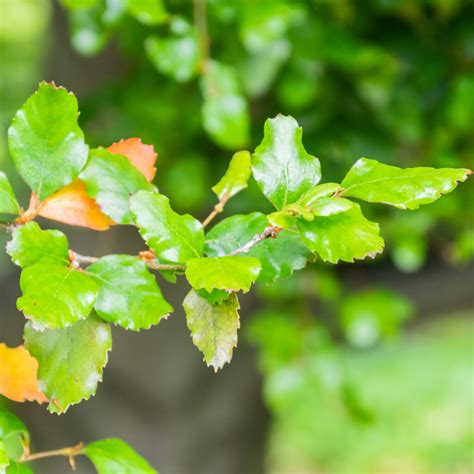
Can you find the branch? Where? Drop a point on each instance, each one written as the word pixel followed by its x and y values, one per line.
pixel 271 231
pixel 70 453
pixel 218 208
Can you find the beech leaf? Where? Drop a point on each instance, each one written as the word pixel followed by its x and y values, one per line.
pixel 346 236
pixel 18 377
pixel 114 456
pixel 8 202
pixel 223 273
pixel 128 294
pixel 405 188
pixel 213 327
pixel 174 238
pixel 111 180
pixel 70 360
pixel 281 166
pixel 45 141
pixel 236 177
pixel 55 296
pixel 30 245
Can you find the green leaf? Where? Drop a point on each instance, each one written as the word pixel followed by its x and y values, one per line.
pixel 309 198
pixel 236 177
pixel 45 141
pixel 111 180
pixel 371 315
pixel 345 236
pixel 128 294
pixel 281 166
pixel 55 296
pixel 223 273
pixel 173 237
pixel 282 219
pixel 15 468
pixel 178 55
pixel 4 461
pixel 70 360
pixel 148 12
pixel 13 434
pixel 8 202
pixel 215 296
pixel 79 4
pixel 213 327
pixel 407 188
pixel 225 112
pixel 279 257
pixel 114 456
pixel 30 245
pixel 327 206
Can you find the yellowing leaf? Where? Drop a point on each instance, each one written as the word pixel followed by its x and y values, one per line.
pixel 18 375
pixel 71 205
pixel 142 156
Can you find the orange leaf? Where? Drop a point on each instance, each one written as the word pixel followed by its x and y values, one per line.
pixel 142 156
pixel 18 375
pixel 71 205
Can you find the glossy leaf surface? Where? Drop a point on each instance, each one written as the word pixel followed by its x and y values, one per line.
pixel 8 202
pixel 45 141
pixel 128 294
pixel 236 177
pixel 213 327
pixel 281 166
pixel 70 360
pixel 55 296
pixel 407 188
pixel 174 238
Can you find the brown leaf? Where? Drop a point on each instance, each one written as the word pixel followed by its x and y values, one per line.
pixel 18 375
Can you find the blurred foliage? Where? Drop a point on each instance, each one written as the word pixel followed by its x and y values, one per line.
pixel 409 415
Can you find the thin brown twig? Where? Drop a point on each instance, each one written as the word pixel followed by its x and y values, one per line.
pixel 218 208
pixel 69 452
pixel 200 23
pixel 271 231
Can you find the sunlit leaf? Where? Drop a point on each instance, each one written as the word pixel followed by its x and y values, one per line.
pixel 128 294
pixel 18 377
pixel 111 180
pixel 346 236
pixel 70 360
pixel 114 456
pixel 149 12
pixel 224 111
pixel 13 432
pixel 55 296
pixel 407 188
pixel 30 245
pixel 281 166
pixel 45 141
pixel 8 202
pixel 174 238
pixel 223 273
pixel 213 327
pixel 236 177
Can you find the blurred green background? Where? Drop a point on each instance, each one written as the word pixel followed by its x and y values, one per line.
pixel 355 369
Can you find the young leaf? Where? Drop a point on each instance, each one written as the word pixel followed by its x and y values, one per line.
pixel 225 112
pixel 55 296
pixel 407 188
pixel 128 294
pixel 111 180
pixel 318 192
pixel 30 245
pixel 72 205
pixel 15 437
pixel 114 456
pixel 176 56
pixel 345 236
pixel 223 273
pixel 45 141
pixel 279 257
pixel 18 377
pixel 70 360
pixel 18 468
pixel 236 177
pixel 141 156
pixel 213 327
pixel 281 166
pixel 173 237
pixel 215 296
pixel 8 202
pixel 4 461
pixel 327 206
